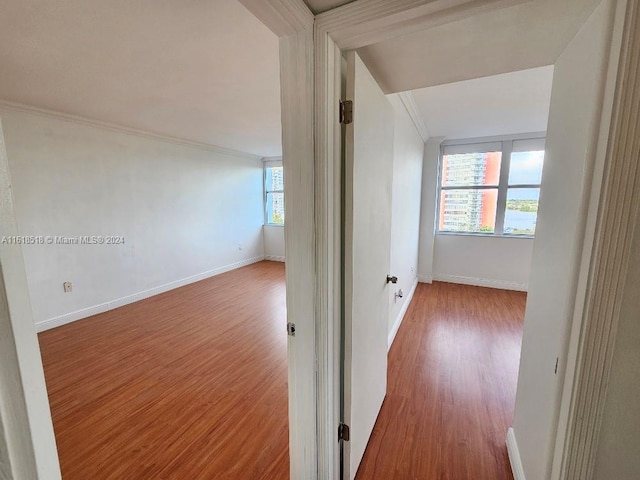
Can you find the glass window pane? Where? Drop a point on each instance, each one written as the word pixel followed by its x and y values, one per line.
pixel 467 169
pixel 274 179
pixel 526 168
pixel 468 210
pixel 275 208
pixel 522 211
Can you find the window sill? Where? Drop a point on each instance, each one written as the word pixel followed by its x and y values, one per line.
pixel 486 235
pixel 281 225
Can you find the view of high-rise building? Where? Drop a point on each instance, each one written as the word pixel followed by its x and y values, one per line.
pixel 274 187
pixel 469 209
pixel 469 192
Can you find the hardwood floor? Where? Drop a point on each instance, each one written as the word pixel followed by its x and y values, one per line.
pixel 451 387
pixel 189 384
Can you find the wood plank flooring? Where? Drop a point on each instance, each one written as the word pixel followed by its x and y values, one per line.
pixel 190 384
pixel 451 387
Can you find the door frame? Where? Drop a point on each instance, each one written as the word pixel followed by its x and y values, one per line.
pixel 356 25
pixel 337 31
pixel 315 44
pixel 613 213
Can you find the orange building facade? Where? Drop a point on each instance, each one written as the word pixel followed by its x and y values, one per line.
pixel 469 209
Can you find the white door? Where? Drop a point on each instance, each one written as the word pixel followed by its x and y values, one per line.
pixel 368 180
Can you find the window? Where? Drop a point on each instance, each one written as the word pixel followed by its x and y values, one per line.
pixel 490 188
pixel 274 193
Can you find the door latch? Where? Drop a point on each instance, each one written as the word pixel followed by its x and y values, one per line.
pixel 291 329
pixel 391 279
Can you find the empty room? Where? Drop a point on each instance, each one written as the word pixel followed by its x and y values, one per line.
pixel 472 384
pixel 457 185
pixel 453 367
pixel 144 151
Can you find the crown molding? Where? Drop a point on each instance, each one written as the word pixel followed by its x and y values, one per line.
pixel 365 22
pixel 19 107
pixel 283 17
pixel 409 102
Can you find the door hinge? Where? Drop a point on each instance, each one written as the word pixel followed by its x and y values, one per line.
pixel 291 329
pixel 346 112
pixel 343 432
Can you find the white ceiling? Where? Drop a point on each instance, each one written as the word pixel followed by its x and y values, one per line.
pixel 205 71
pixel 510 103
pixel 319 6
pixel 527 35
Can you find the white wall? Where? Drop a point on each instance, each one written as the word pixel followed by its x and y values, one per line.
pixel 408 152
pixel 618 453
pixel 570 154
pixel 274 242
pixel 184 212
pixel 429 205
pixel 498 262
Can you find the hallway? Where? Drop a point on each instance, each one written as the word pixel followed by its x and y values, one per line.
pixel 451 387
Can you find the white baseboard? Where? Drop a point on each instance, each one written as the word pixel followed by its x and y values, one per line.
pixel 401 313
pixel 425 278
pixel 274 258
pixel 514 456
pixel 482 282
pixel 119 302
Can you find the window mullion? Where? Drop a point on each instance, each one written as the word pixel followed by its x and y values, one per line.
pixel 507 148
pixel 265 193
pixel 469 187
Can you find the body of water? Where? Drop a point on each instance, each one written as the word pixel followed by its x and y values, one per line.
pixel 517 220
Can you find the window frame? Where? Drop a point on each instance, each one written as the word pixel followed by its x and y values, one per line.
pixel 270 163
pixel 506 147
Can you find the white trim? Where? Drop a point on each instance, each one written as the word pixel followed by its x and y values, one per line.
pixel 487 235
pixel 425 278
pixel 494 138
pixel 296 93
pixel 328 154
pixel 365 22
pixel 481 282
pixel 571 367
pixel 411 107
pixel 503 188
pixel 514 456
pixel 135 297
pixel 274 258
pixel 401 314
pixel 90 122
pixel 285 18
pixel 594 334
pixel 276 159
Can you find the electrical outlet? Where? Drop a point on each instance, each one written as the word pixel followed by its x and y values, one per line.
pixel 67 287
